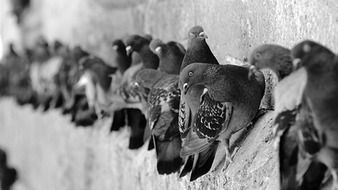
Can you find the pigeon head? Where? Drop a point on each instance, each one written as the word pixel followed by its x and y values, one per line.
pixel 3 158
pixel 119 46
pixel 85 62
pixel 77 53
pixel 148 37
pixel 136 43
pixel 157 46
pixel 309 53
pixel 274 57
pixel 57 45
pixel 197 32
pixel 194 74
pixel 60 49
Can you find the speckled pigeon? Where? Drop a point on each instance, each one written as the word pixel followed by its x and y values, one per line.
pixel 230 101
pixel 197 51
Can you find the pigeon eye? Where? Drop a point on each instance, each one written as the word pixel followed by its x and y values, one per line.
pixel 258 56
pixel 190 74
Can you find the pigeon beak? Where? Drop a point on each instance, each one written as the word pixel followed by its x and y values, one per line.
pixel 185 88
pixel 158 50
pixel 203 35
pixel 251 72
pixel 296 63
pixel 129 49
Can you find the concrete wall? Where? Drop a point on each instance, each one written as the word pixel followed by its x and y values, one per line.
pixel 50 153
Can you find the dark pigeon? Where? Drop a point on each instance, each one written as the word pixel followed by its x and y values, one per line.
pixel 122 60
pixel 197 51
pixel 320 93
pixel 289 105
pixel 69 75
pixel 171 55
pixel 97 81
pixel 8 175
pixel 229 103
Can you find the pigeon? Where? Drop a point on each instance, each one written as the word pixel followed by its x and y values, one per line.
pixel 139 44
pixel 122 60
pixel 97 81
pixel 15 77
pixel 69 75
pixel 163 100
pixel 197 51
pixel 170 54
pixel 292 116
pixel 137 122
pixel 130 91
pixel 320 93
pixel 41 56
pixel 8 175
pixel 229 102
pixel 19 7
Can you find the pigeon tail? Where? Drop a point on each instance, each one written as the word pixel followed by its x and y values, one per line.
pixel 204 161
pixel 119 120
pixel 288 154
pixel 187 166
pixel 168 155
pixel 137 122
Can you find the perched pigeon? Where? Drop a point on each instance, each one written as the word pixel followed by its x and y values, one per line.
pixel 163 100
pixel 197 51
pixel 97 81
pixel 122 60
pixel 292 117
pixel 170 54
pixel 129 91
pixel 80 112
pixel 69 75
pixel 19 7
pixel 131 95
pixel 230 102
pixel 8 175
pixel 137 122
pixel 320 93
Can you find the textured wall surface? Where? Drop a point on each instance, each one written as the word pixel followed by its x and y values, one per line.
pixel 50 153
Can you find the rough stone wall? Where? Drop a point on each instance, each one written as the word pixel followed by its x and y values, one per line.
pixel 50 153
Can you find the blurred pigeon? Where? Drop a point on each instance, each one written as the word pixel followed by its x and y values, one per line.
pixel 137 122
pixel 128 90
pixel 170 54
pixel 122 60
pixel 292 117
pixel 69 75
pixel 41 70
pixel 197 51
pixel 321 93
pixel 8 175
pixel 139 44
pixel 230 101
pixel 18 8
pixel 97 81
